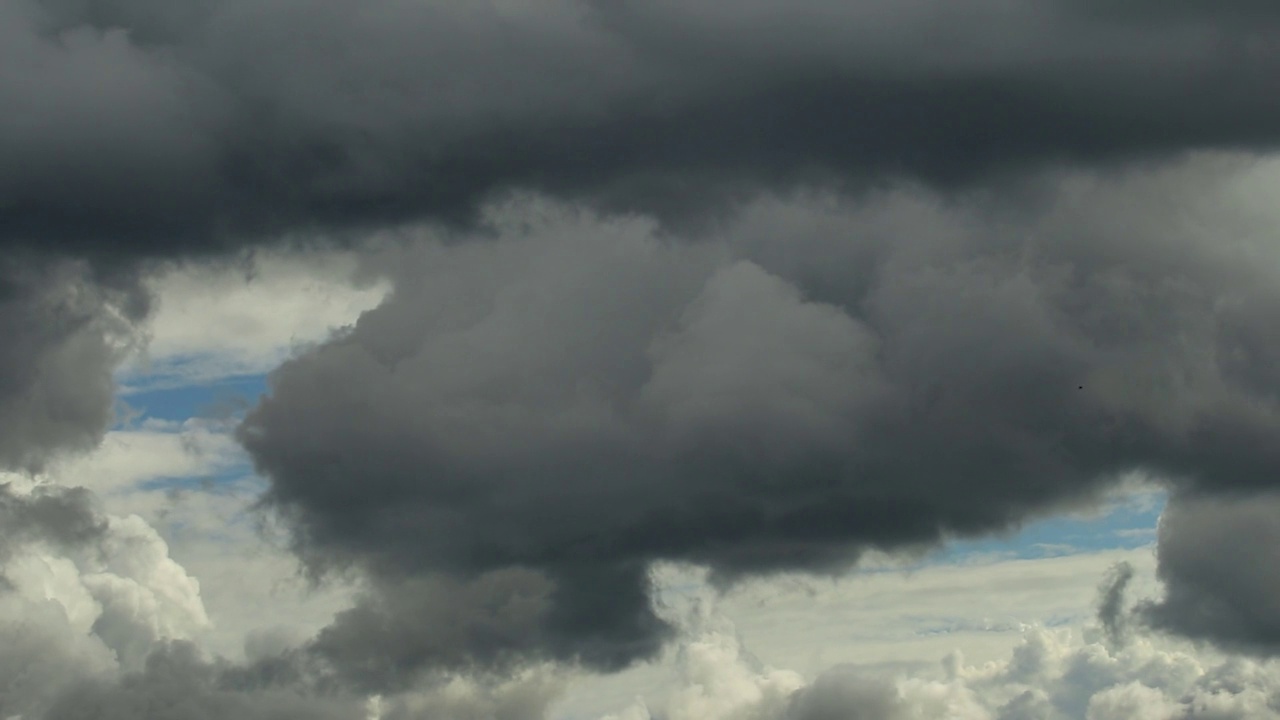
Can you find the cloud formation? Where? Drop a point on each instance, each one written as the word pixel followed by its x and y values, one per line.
pixel 975 273
pixel 65 328
pixel 83 596
pixel 1111 610
pixel 1215 560
pixel 178 684
pixel 94 619
pixel 1051 675
pixel 578 398
pixel 136 126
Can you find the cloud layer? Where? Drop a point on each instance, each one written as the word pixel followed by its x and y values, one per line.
pixel 136 126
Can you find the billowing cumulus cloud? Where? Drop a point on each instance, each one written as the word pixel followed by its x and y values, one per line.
pixel 577 398
pixel 136 126
pixel 98 621
pixel 1051 675
pixel 83 595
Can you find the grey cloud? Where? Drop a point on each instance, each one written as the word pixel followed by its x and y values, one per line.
pixel 1216 558
pixel 157 128
pixel 1229 11
pixel 40 652
pixel 64 329
pixel 178 684
pixel 61 517
pixel 1027 705
pixel 578 398
pixel 474 625
pixel 1111 611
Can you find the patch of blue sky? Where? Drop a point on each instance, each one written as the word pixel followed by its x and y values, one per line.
pixel 230 479
pixel 1128 523
pixel 223 398
pixel 163 401
pixel 1125 525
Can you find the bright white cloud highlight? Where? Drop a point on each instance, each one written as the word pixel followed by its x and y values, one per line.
pixel 244 319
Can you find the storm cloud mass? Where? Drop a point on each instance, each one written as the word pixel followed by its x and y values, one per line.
pixel 139 126
pixel 579 398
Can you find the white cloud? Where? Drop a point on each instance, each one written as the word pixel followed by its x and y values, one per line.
pixel 881 619
pixel 216 322
pixel 145 595
pixel 921 614
pixel 89 610
pixel 162 531
pixel 1049 675
pixel 524 696
pixel 721 684
pixel 121 469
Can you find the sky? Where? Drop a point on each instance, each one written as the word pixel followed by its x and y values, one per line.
pixel 607 360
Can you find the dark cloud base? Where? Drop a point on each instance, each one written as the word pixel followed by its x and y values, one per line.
pixel 167 129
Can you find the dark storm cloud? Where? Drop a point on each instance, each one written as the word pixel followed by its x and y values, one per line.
pixel 402 632
pixel 489 622
pixel 139 126
pixel 62 331
pixel 1217 559
pixel 577 398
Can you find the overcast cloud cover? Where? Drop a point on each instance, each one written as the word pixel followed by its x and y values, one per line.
pixel 138 126
pixel 554 295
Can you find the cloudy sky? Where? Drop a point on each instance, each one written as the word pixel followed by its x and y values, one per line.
pixel 614 360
